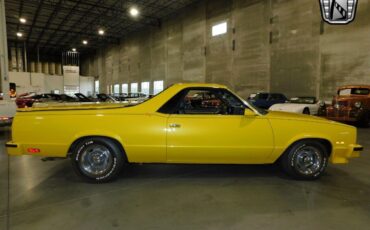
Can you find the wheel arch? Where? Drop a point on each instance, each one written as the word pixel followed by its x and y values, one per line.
pixel 74 144
pixel 328 145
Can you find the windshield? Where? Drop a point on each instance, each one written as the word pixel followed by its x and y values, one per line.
pixel 303 100
pixel 353 91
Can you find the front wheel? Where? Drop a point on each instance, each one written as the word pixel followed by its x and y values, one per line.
pixel 97 159
pixel 305 159
pixel 365 120
pixel 306 111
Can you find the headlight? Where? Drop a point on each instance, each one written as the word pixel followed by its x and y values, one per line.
pixel 336 106
pixel 358 104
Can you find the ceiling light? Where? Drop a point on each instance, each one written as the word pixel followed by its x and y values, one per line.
pixel 101 32
pixel 84 42
pixel 134 11
pixel 19 34
pixel 22 20
pixel 74 49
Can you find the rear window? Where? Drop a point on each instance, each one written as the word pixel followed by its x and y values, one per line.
pixel 354 91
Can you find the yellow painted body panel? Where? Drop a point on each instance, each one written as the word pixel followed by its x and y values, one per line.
pixel 149 136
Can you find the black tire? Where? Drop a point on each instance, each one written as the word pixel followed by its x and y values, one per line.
pixel 306 111
pixel 365 120
pixel 310 153
pixel 97 159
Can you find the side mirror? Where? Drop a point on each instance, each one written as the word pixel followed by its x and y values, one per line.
pixel 248 112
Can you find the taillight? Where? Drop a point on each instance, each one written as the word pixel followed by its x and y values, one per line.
pixel 33 150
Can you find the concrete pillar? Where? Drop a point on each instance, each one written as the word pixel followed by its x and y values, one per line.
pixel 38 67
pixel 51 68
pixel 4 81
pixel 20 60
pixel 13 59
pixel 45 68
pixel 33 67
pixel 58 69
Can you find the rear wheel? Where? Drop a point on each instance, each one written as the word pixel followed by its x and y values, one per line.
pixel 97 159
pixel 306 159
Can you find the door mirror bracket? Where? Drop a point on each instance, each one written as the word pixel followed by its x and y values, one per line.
pixel 249 112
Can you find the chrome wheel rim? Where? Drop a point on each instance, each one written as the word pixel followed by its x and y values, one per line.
pixel 96 160
pixel 308 160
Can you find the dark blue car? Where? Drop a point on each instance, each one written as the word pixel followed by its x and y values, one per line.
pixel 265 100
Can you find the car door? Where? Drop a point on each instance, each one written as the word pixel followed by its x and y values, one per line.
pixel 209 126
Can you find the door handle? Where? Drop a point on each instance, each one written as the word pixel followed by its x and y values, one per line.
pixel 175 125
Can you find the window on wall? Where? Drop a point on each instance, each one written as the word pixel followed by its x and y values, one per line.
pixel 145 87
pixel 125 88
pixel 218 29
pixel 96 86
pixel 116 88
pixel 134 88
pixel 157 87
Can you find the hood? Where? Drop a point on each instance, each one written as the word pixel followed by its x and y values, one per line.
pixel 287 106
pixel 73 106
pixel 350 98
pixel 300 117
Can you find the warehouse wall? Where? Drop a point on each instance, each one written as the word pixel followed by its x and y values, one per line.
pixel 271 45
pixel 44 83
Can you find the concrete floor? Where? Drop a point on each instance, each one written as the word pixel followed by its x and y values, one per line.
pixel 47 195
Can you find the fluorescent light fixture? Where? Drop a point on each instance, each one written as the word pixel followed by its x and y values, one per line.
pixel 74 49
pixel 134 11
pixel 22 20
pixel 101 32
pixel 19 34
pixel 219 29
pixel 84 42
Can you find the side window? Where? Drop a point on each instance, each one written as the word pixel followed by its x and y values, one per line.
pixel 201 102
pixel 204 101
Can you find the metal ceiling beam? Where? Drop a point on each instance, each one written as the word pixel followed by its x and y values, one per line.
pixel 56 30
pixel 20 13
pixel 93 21
pixel 65 19
pixel 34 20
pixel 51 17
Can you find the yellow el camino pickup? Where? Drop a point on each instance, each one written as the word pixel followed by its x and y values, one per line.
pixel 186 123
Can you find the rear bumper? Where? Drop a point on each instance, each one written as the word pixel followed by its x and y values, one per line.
pixel 341 156
pixel 13 148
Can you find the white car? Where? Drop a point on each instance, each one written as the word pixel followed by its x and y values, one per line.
pixel 304 105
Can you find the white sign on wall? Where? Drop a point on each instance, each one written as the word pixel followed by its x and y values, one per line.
pixel 71 75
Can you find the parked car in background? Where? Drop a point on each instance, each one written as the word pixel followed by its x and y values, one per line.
pixel 351 104
pixel 102 97
pixel 134 97
pixel 265 100
pixel 29 99
pixel 304 105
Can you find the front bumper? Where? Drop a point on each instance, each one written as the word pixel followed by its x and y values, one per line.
pixel 343 114
pixel 342 155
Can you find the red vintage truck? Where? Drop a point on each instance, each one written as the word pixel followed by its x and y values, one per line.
pixel 351 104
